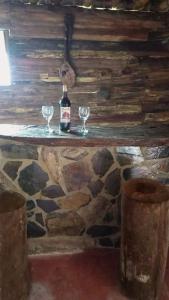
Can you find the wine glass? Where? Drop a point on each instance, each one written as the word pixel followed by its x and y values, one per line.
pixel 47 113
pixel 84 112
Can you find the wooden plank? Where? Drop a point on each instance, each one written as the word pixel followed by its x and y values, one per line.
pixel 38 22
pixel 39 67
pixel 157 117
pixel 27 46
pixel 4 16
pixel 152 107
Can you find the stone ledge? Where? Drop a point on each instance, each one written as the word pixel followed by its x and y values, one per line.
pixel 59 244
pixel 143 135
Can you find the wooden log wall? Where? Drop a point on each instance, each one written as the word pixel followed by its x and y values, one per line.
pixel 121 61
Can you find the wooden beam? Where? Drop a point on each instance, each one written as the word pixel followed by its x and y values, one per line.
pixel 140 5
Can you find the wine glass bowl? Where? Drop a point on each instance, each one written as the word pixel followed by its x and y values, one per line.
pixel 84 112
pixel 47 113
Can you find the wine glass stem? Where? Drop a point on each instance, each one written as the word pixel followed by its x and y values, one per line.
pixel 84 125
pixel 48 125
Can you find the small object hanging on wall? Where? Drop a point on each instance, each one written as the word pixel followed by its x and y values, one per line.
pixel 67 73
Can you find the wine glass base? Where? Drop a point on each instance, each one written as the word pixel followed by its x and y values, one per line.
pixel 84 131
pixel 50 131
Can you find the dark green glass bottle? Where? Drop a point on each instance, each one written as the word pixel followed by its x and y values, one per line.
pixel 65 106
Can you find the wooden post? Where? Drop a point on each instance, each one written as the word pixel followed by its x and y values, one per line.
pixel 145 236
pixel 13 247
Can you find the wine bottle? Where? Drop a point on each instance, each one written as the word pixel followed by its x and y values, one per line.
pixel 65 105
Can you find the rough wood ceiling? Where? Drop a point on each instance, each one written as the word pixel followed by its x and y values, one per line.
pixel 145 5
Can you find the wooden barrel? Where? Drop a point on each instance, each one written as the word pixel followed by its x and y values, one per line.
pixel 13 247
pixel 145 237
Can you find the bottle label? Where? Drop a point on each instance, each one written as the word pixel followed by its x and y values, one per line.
pixel 65 114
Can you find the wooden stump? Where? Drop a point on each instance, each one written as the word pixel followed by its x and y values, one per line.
pixel 13 247
pixel 145 237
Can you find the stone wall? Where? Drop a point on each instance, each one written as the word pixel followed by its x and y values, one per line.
pixel 74 193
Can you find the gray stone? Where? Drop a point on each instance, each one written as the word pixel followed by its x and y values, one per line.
pixel 74 153
pixel 113 182
pixel 75 201
pixel 109 217
pixel 129 155
pixel 30 214
pixel 157 166
pixel 102 230
pixel 95 187
pixel 39 219
pixel 64 222
pixel 125 159
pixel 17 151
pixel 47 205
pixel 33 230
pixel 11 168
pixel 95 211
pixel 102 161
pixel 112 215
pixel 134 151
pixel 32 179
pixel 137 172
pixel 76 175
pixel 155 152
pixel 150 168
pixel 106 242
pixel 53 191
pixel 30 204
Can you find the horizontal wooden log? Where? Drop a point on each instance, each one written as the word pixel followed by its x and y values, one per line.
pixel 26 46
pixel 22 104
pixel 153 107
pixel 26 118
pixel 38 67
pixel 116 51
pixel 38 22
pixel 117 93
pixel 4 16
pixel 157 117
pixel 35 96
pixel 98 69
pixel 36 93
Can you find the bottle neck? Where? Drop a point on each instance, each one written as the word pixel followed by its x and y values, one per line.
pixel 64 90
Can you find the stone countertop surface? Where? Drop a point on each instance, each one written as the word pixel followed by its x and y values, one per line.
pixel 151 135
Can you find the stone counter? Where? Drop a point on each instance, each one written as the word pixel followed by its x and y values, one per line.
pixel 74 192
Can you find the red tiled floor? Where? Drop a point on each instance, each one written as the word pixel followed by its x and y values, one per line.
pixel 89 275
